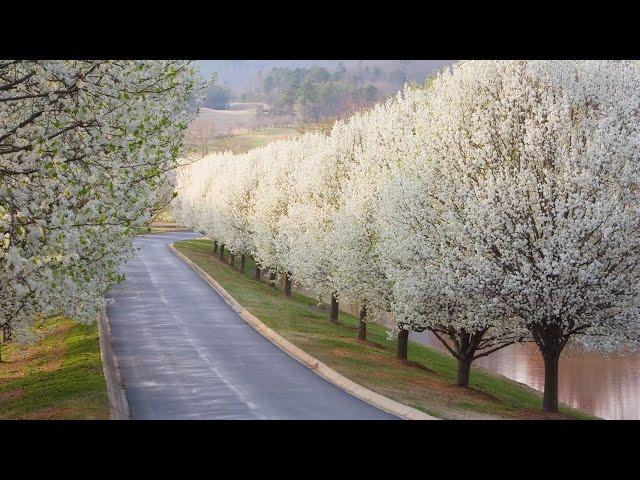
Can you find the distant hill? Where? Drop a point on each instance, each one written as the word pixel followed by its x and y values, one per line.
pixel 240 75
pixel 279 94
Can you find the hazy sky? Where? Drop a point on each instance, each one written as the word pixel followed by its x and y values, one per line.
pixel 239 73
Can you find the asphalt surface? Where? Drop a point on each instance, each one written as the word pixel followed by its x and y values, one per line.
pixel 185 354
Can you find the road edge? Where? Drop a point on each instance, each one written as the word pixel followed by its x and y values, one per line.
pixel 369 396
pixel 119 408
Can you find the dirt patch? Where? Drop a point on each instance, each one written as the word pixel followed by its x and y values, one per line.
pixel 342 353
pixel 50 413
pixel 28 360
pixel 454 392
pixel 371 344
pixel 11 395
pixel 22 360
pixel 420 367
pixel 532 415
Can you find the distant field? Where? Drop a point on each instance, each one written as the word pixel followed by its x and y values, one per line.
pixel 244 105
pixel 239 130
pixel 246 141
pixel 240 116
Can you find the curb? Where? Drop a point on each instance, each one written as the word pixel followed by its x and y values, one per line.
pixel 379 401
pixel 118 404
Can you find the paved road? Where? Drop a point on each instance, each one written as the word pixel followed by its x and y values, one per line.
pixel 185 354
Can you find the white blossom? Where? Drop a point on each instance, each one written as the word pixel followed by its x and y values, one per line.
pixel 85 147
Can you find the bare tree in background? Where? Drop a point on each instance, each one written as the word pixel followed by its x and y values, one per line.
pixel 201 134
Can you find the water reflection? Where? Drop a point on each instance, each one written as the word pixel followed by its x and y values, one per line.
pixel 607 387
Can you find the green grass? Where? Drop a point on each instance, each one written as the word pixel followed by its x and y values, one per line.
pixel 427 383
pixel 58 377
pixel 160 227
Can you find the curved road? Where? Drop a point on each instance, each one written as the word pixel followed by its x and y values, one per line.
pixel 185 354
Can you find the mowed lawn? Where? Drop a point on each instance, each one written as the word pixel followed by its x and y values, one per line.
pixel 58 377
pixel 427 383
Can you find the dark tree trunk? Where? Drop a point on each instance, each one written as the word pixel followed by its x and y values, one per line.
pixel 551 364
pixel 232 259
pixel 5 336
pixel 272 276
pixel 287 285
pixel 242 259
pixel 465 346
pixel 334 308
pixel 403 343
pixel 215 246
pixel 551 339
pixel 464 368
pixel 256 273
pixel 222 251
pixel 362 325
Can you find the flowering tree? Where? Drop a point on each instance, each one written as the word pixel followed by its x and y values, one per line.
pixel 498 204
pixel 273 192
pixel 228 202
pixel 84 146
pixel 303 229
pixel 535 185
pixel 375 142
pixel 430 289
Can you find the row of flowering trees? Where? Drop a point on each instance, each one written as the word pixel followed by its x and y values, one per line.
pixel 86 149
pixel 497 204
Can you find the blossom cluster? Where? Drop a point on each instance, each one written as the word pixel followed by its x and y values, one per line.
pixel 304 207
pixel 86 148
pixel 497 203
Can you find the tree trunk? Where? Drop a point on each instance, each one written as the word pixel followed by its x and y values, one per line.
pixel 272 276
pixel 334 308
pixel 215 246
pixel 222 251
pixel 4 337
pixel 287 285
pixel 362 325
pixel 550 398
pixel 464 368
pixel 550 339
pixel 256 273
pixel 403 343
pixel 232 259
pixel 242 259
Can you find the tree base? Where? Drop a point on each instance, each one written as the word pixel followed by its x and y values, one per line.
pixel 403 343
pixel 362 326
pixel 464 369
pixel 287 286
pixel 333 317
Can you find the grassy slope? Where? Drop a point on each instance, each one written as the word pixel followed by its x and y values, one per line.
pixel 427 383
pixel 58 377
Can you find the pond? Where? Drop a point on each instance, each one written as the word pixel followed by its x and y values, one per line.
pixel 608 387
